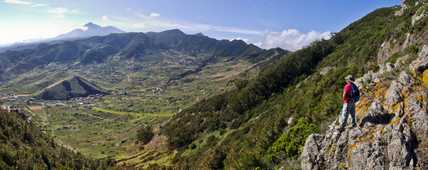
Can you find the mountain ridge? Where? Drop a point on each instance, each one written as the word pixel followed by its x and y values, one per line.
pixel 100 49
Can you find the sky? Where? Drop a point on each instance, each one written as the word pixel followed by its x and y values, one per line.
pixel 289 24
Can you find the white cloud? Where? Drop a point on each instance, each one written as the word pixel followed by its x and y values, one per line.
pixel 160 24
pixel 105 18
pixel 39 5
pixel 154 14
pixel 153 22
pixel 240 38
pixel 17 2
pixel 24 2
pixel 39 30
pixel 60 12
pixel 292 39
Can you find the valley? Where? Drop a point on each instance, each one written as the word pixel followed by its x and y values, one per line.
pixel 139 91
pixel 103 98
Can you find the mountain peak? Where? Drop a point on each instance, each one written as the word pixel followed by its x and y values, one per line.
pixel 200 34
pixel 174 31
pixel 91 25
pixel 88 30
pixel 72 87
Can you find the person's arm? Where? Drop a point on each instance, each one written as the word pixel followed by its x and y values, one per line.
pixel 344 93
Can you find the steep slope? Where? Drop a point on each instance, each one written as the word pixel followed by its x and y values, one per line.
pixel 265 122
pixel 393 114
pixel 393 124
pixel 70 88
pixel 24 146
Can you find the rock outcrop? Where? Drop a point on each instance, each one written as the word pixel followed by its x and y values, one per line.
pixel 392 134
pixel 393 126
pixel 392 113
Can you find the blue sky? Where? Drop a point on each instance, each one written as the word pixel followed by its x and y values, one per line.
pixel 289 24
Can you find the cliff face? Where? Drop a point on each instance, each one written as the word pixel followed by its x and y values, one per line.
pixel 392 112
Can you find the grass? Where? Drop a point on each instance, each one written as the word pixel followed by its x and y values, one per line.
pixel 108 128
pixel 25 146
pixel 97 132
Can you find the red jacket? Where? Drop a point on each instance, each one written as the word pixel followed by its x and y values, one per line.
pixel 347 90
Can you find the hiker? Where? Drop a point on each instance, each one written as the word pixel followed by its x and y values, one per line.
pixel 351 94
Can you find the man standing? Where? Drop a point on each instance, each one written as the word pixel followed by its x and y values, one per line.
pixel 350 96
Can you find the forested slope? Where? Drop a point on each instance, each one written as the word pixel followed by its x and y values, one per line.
pixel 24 146
pixel 264 123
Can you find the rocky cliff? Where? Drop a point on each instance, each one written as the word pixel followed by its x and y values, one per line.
pixel 392 113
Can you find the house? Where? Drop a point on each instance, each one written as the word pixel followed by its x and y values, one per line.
pixel 10 108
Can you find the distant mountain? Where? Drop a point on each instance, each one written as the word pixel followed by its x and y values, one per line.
pixel 141 47
pixel 88 30
pixel 70 88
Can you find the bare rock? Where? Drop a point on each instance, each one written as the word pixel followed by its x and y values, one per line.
pixel 420 116
pixel 366 80
pixel 393 94
pixel 325 70
pixel 387 48
pixel 421 63
pixel 401 148
pixel 418 16
pixel 310 158
pixel 368 155
pixel 410 39
pixel 405 79
pixel 403 7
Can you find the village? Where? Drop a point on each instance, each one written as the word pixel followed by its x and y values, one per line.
pixel 24 104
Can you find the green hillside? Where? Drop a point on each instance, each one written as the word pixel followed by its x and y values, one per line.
pixel 70 88
pixel 183 101
pixel 248 127
pixel 24 146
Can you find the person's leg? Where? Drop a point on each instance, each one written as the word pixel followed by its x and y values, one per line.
pixel 344 115
pixel 352 112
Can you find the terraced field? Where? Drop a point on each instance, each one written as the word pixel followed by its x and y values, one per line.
pixel 97 132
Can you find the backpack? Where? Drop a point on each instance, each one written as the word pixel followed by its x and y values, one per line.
pixel 355 93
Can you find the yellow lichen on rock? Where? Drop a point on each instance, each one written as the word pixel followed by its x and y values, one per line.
pixel 362 107
pixel 425 77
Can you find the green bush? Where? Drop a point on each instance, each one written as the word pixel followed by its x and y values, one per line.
pixel 290 144
pixel 145 134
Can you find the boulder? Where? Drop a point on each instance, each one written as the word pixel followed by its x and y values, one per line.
pixel 393 94
pixel 310 159
pixel 400 149
pixel 405 79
